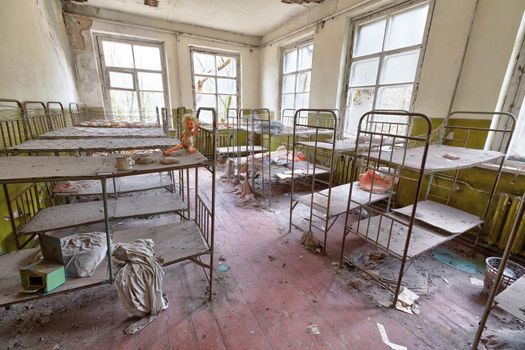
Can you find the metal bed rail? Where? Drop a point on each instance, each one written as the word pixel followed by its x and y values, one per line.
pixel 36 117
pixel 319 120
pixel 391 137
pixel 13 129
pixel 56 115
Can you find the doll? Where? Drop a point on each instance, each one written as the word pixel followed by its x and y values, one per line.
pixel 191 126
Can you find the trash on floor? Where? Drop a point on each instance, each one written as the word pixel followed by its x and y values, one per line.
pixel 313 329
pixel 476 281
pixel 384 338
pixel 455 260
pixel 406 300
pixel 139 282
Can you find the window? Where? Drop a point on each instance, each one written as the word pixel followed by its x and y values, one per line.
pixel 215 82
pixel 134 78
pixel 385 55
pixel 296 76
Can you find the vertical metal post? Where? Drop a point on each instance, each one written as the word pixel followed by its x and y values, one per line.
pixel 499 275
pixel 106 223
pixel 11 215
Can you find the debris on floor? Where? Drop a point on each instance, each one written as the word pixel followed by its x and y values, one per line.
pixel 384 338
pixel 457 261
pixel 406 300
pixel 313 329
pixel 476 281
pixel 311 243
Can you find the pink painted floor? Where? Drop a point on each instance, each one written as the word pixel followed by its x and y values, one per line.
pixel 272 292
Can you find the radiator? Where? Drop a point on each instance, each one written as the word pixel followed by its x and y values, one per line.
pixel 501 220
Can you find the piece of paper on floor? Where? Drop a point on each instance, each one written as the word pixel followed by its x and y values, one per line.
pixel 405 300
pixel 384 338
pixel 313 329
pixel 476 281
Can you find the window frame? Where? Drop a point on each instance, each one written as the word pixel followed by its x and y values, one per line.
pixel 369 18
pixel 105 70
pixel 284 50
pixel 215 52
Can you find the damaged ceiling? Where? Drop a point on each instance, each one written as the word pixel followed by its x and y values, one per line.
pixel 250 17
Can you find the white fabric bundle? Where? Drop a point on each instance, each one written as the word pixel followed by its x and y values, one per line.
pixel 83 252
pixel 139 281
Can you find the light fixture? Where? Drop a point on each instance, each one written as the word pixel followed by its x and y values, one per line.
pixel 300 2
pixel 152 3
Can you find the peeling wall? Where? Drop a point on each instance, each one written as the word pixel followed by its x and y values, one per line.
pixel 82 29
pixel 35 58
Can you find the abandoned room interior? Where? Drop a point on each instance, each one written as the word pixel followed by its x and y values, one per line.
pixel 262 174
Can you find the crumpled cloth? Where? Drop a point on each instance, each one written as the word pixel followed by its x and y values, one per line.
pixel 139 282
pixel 83 252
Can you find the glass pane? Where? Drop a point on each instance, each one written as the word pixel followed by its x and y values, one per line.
pixel 289 83
pixel 288 101
pixel 205 101
pixel 124 105
pixel 399 68
pixel 121 80
pixel 302 101
pixel 203 63
pixel 117 54
pixel 226 66
pixel 226 86
pixel 290 62
pixel 226 102
pixel 303 82
pixel 149 101
pixel 406 28
pixel 394 97
pixel 305 57
pixel 147 57
pixel 150 81
pixel 517 144
pixel 205 84
pixel 364 72
pixel 359 102
pixel 369 38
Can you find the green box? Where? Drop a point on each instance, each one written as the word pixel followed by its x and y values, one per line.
pixel 43 276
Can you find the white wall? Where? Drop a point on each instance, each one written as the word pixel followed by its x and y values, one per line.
pixel 35 58
pixel 478 87
pixel 177 52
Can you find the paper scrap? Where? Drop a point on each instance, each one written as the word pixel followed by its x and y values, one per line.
pixel 476 281
pixel 405 300
pixel 384 338
pixel 312 329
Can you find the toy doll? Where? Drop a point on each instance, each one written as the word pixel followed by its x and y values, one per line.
pixel 191 126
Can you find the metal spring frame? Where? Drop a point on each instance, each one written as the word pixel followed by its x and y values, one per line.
pixel 77 113
pixel 13 131
pixel 56 116
pixel 39 124
pixel 313 121
pixel 373 129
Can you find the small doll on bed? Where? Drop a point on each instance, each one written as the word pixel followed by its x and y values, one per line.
pixel 191 126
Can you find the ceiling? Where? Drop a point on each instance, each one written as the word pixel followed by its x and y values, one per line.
pixel 251 17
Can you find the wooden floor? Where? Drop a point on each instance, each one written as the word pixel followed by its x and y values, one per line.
pixel 272 292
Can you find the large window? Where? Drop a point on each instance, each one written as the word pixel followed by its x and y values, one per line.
pixel 383 68
pixel 296 76
pixel 215 82
pixel 134 78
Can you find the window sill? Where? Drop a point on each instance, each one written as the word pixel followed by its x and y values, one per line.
pixel 510 167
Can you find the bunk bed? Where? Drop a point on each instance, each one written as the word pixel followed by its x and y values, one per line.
pixel 190 239
pixel 405 160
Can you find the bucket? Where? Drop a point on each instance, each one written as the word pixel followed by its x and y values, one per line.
pixel 511 273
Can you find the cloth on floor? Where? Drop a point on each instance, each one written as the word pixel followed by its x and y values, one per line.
pixel 458 261
pixel 83 252
pixel 139 282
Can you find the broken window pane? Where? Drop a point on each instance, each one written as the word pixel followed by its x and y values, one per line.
pixel 399 68
pixel 226 86
pixel 359 102
pixel 117 54
pixel 406 28
pixel 150 81
pixel 394 97
pixel 364 72
pixel 226 66
pixel 369 38
pixel 290 62
pixel 303 82
pixel 302 101
pixel 121 80
pixel 289 83
pixel 305 57
pixel 203 63
pixel 204 84
pixel 124 105
pixel 147 57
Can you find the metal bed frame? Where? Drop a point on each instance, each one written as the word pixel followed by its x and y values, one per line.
pixel 77 112
pixel 204 215
pixel 13 129
pixel 407 159
pixel 319 120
